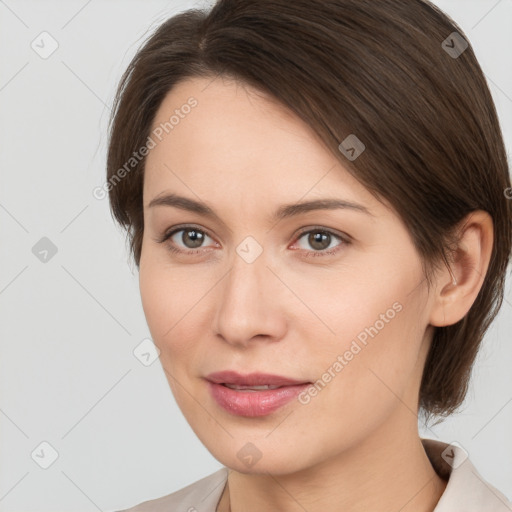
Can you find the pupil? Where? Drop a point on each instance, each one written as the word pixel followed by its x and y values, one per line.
pixel 195 236
pixel 317 238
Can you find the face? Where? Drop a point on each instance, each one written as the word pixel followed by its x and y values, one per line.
pixel 334 297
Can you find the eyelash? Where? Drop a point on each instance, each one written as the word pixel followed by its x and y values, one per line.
pixel 315 229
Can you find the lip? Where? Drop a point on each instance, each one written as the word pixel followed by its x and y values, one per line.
pixel 253 403
pixel 252 379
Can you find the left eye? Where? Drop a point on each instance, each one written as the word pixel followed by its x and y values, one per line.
pixel 321 240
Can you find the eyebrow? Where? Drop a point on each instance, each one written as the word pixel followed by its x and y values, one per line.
pixel 283 212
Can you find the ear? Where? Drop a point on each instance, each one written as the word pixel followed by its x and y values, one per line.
pixel 457 287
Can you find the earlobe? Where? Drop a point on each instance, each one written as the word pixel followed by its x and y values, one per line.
pixel 457 287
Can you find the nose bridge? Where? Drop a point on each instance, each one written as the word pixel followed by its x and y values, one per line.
pixel 247 304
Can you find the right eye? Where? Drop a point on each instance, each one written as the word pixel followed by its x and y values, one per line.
pixel 191 237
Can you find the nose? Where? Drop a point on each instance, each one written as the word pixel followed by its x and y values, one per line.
pixel 250 304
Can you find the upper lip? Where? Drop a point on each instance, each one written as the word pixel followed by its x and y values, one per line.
pixel 252 379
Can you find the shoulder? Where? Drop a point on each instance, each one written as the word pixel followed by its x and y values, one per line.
pixel 466 489
pixel 200 496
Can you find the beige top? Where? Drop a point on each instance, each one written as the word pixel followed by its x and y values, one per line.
pixel 466 490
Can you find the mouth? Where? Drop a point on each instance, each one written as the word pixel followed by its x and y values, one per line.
pixel 249 388
pixel 252 380
pixel 252 395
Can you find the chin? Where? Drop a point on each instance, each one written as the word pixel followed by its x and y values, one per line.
pixel 247 458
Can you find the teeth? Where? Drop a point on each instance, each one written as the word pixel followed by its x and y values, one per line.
pixel 253 388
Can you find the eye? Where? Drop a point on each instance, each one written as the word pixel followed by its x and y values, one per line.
pixel 321 240
pixel 190 240
pixel 191 237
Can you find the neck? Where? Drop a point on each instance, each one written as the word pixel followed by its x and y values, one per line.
pixel 388 471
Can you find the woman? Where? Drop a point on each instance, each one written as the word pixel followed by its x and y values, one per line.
pixel 315 194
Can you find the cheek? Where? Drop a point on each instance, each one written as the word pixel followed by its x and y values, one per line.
pixel 155 299
pixel 165 308
pixel 163 299
pixel 173 302
pixel 378 326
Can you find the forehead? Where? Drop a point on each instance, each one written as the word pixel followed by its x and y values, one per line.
pixel 238 143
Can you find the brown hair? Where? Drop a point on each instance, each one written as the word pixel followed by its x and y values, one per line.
pixel 385 71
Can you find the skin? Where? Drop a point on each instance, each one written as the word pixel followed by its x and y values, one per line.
pixel 355 446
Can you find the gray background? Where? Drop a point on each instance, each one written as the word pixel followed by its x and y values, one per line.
pixel 69 326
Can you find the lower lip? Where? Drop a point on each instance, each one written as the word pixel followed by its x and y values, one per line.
pixel 254 403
